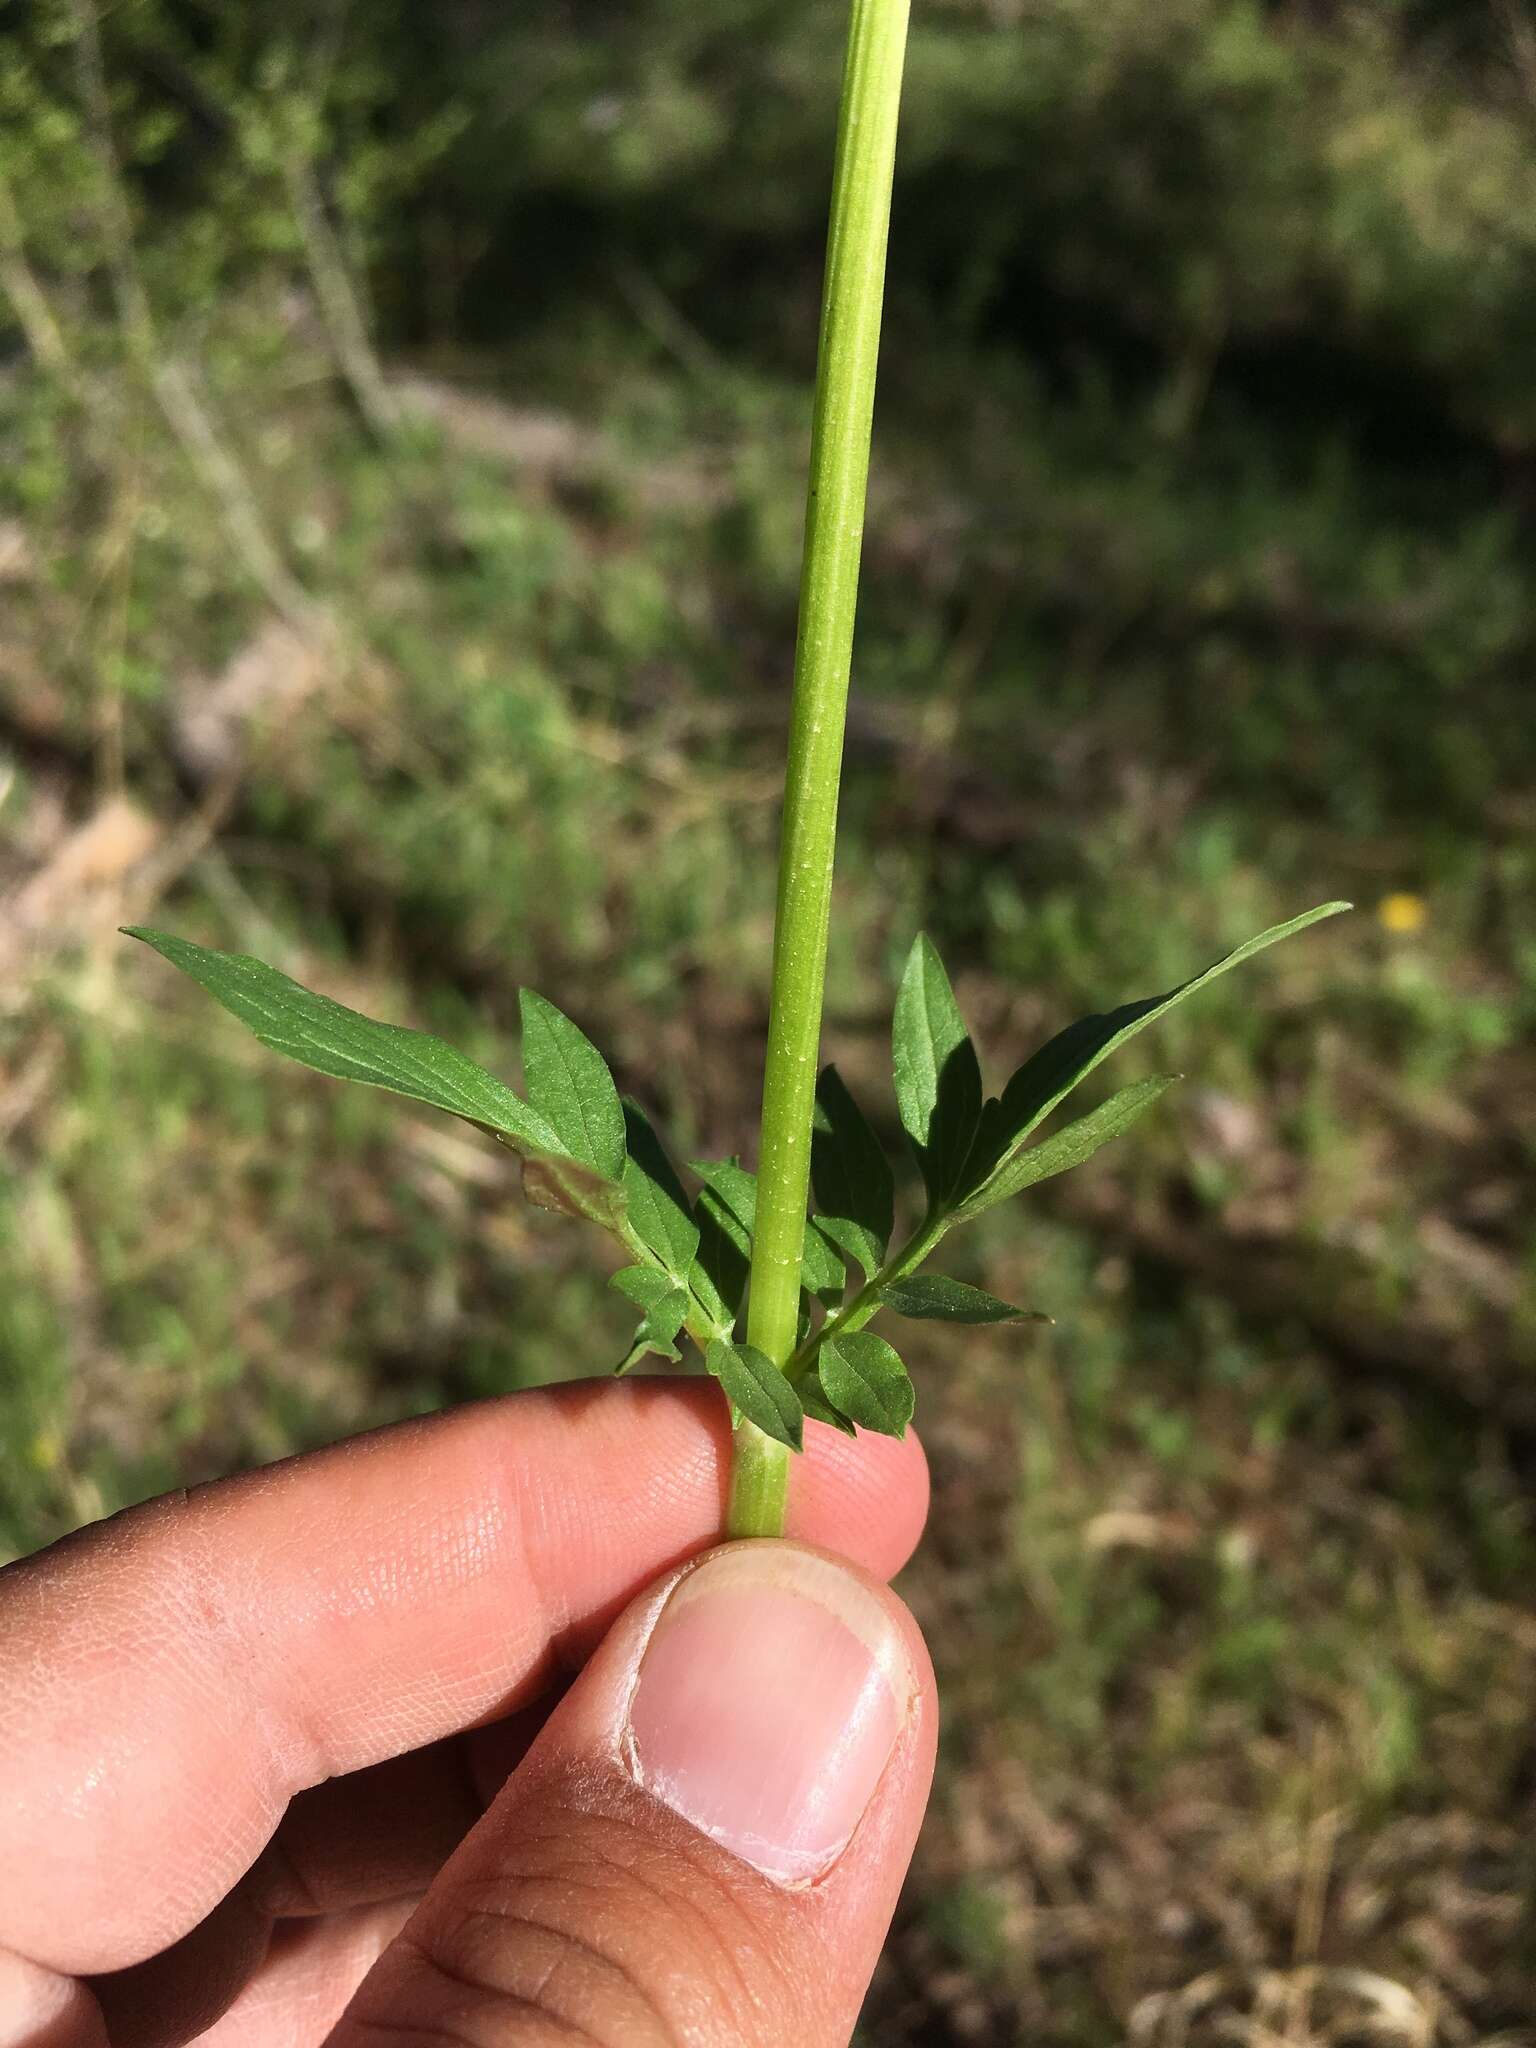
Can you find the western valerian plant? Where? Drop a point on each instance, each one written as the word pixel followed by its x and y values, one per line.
pixel 774 1290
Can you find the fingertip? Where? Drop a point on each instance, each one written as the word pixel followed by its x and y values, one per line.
pixel 865 1497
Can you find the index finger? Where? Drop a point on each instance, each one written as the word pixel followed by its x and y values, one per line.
pixel 169 1679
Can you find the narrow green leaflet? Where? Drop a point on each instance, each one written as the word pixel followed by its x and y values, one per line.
pixel 819 1409
pixel 731 1199
pixel 938 1078
pixel 864 1379
pixel 658 1207
pixel 334 1040
pixel 927 1032
pixel 665 1305
pixel 1069 1147
pixel 855 1189
pixel 1060 1064
pixel 569 1084
pixel 935 1298
pixel 758 1390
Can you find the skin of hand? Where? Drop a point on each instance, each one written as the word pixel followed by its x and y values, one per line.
pixel 461 1735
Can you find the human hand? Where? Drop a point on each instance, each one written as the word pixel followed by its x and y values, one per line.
pixel 288 1758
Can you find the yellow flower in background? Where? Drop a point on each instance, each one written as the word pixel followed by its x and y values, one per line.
pixel 46 1450
pixel 1402 912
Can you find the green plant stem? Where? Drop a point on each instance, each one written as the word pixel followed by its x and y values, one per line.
pixel 834 530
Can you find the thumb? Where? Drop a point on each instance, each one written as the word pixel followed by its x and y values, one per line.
pixel 705 1844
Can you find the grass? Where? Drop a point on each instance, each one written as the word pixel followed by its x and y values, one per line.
pixel 1229 1573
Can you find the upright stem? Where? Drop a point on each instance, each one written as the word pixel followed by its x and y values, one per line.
pixel 834 531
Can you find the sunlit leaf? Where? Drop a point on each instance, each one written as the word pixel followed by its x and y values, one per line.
pixel 758 1390
pixel 937 1076
pixel 864 1379
pixel 334 1040
pixel 935 1298
pixel 569 1084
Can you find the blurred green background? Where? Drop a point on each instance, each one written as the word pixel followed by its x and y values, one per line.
pixel 404 420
